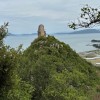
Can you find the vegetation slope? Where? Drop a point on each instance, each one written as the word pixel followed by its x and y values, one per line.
pixel 56 72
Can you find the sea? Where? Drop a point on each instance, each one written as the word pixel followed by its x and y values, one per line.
pixel 78 42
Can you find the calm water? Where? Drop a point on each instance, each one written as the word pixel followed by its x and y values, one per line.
pixel 78 42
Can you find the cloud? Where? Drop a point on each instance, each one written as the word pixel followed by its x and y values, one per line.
pixel 52 13
pixel 44 8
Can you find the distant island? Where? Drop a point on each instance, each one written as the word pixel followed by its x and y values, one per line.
pixel 85 31
pixel 10 34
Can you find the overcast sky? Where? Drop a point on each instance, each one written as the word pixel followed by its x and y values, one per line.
pixel 24 16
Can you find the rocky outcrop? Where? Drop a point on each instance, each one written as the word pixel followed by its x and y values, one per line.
pixel 41 31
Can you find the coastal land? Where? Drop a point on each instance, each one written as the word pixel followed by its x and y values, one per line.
pixel 91 56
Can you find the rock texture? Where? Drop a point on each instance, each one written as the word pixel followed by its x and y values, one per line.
pixel 41 31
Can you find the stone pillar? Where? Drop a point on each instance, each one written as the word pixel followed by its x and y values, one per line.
pixel 41 31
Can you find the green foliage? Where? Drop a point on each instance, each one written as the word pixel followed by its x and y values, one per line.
pixel 89 16
pixel 11 85
pixel 57 72
pixel 3 32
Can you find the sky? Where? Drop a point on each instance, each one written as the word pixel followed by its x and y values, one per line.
pixel 24 16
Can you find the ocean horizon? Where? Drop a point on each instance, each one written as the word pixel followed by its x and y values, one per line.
pixel 78 42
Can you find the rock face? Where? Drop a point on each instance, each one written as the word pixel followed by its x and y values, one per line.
pixel 41 31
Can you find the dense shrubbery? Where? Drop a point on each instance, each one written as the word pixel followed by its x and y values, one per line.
pixel 11 85
pixel 56 72
pixel 47 70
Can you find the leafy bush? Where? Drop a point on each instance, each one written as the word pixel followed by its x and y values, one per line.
pixel 57 72
pixel 11 85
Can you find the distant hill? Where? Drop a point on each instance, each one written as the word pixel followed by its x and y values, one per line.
pixel 26 34
pixel 85 31
pixel 10 34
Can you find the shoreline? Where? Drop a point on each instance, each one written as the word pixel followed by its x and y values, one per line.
pixel 92 56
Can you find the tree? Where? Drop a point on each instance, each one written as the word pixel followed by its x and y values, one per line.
pixel 3 32
pixel 89 16
pixel 11 85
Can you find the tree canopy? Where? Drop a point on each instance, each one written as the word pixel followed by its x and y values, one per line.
pixel 11 85
pixel 57 72
pixel 89 16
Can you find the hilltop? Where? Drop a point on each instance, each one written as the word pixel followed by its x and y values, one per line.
pixel 57 72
